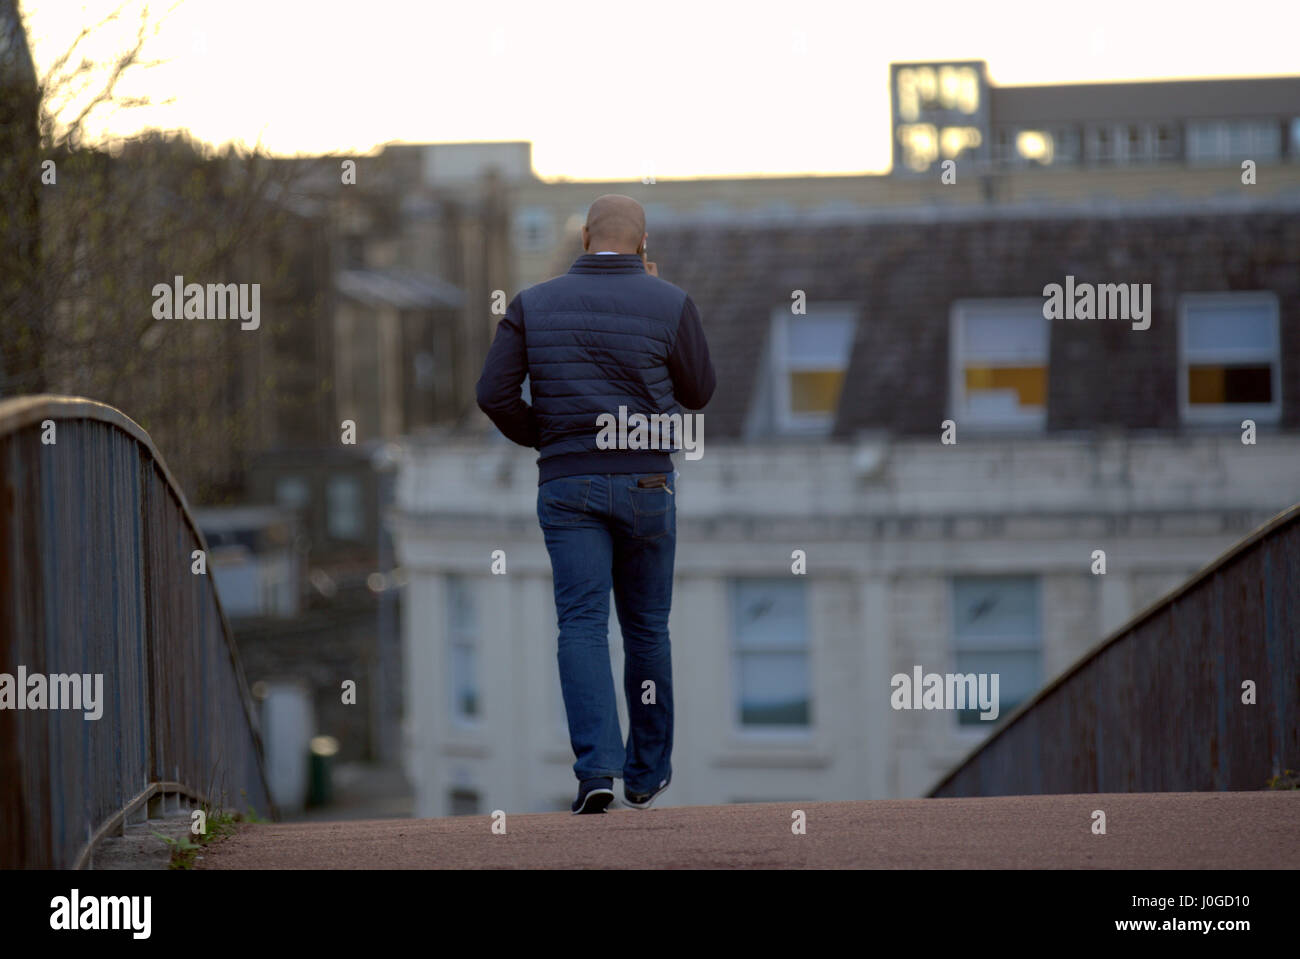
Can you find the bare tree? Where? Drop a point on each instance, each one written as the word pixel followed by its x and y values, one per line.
pixel 97 225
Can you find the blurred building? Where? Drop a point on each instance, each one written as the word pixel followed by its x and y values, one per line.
pixel 950 111
pixel 924 304
pixel 342 623
pixel 399 254
pixel 421 245
pixel 922 295
pixel 825 440
pixel 1114 144
pixel 253 556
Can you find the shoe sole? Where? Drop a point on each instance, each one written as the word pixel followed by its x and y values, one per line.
pixel 649 802
pixel 601 797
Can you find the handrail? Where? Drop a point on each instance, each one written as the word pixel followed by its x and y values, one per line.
pixel 966 768
pixel 157 637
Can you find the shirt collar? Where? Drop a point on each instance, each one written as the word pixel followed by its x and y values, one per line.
pixel 610 263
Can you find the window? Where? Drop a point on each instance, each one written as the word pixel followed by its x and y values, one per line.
pixel 1003 151
pixel 999 363
pixel 771 662
pixel 462 649
pixel 1228 362
pixel 920 145
pixel 810 355
pixel 1259 140
pixel 1035 146
pixel 1101 144
pixel 1166 145
pixel 345 520
pixel 953 141
pixel 1065 145
pixel 1141 141
pixel 930 87
pixel 1207 141
pixel 534 229
pixel 996 628
pixel 1223 141
pixel 1121 143
pixel 292 492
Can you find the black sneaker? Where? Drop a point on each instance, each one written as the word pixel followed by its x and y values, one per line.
pixel 593 796
pixel 643 800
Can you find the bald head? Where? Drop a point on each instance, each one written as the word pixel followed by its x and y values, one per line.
pixel 616 223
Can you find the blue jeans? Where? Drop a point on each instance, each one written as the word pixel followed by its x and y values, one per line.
pixel 607 532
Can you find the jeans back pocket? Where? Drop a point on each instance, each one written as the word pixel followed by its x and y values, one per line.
pixel 563 501
pixel 652 512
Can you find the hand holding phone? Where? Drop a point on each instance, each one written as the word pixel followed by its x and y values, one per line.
pixel 650 267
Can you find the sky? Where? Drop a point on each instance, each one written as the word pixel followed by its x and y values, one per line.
pixel 624 90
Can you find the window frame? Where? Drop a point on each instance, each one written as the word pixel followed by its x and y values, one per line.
pixel 1219 414
pixel 1067 145
pixel 353 483
pixel 785 420
pixel 958 405
pixel 983 728
pixel 460 719
pixel 736 652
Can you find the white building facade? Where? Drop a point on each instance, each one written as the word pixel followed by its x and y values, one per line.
pixel 808 575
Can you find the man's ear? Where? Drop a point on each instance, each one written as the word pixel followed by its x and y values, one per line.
pixel 586 239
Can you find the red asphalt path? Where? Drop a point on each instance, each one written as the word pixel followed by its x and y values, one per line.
pixel 1143 831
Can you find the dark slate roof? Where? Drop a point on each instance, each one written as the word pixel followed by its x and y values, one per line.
pixel 906 272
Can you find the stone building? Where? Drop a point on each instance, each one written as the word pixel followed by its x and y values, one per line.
pixel 830 539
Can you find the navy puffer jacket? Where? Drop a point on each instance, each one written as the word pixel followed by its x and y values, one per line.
pixel 604 335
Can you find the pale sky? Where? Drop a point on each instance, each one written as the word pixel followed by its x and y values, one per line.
pixel 677 88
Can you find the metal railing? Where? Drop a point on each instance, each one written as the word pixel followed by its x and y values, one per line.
pixel 96 555
pixel 1161 706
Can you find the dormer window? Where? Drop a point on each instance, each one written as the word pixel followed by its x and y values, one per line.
pixel 809 359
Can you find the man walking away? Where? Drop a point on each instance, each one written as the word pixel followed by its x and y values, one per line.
pixel 607 334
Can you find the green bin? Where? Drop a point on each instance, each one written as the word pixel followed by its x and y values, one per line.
pixel 323 750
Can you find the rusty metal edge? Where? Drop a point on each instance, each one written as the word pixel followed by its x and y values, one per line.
pixel 1282 519
pixel 115 821
pixel 20 412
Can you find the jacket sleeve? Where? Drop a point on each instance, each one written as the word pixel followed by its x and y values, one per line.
pixel 689 363
pixel 500 393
